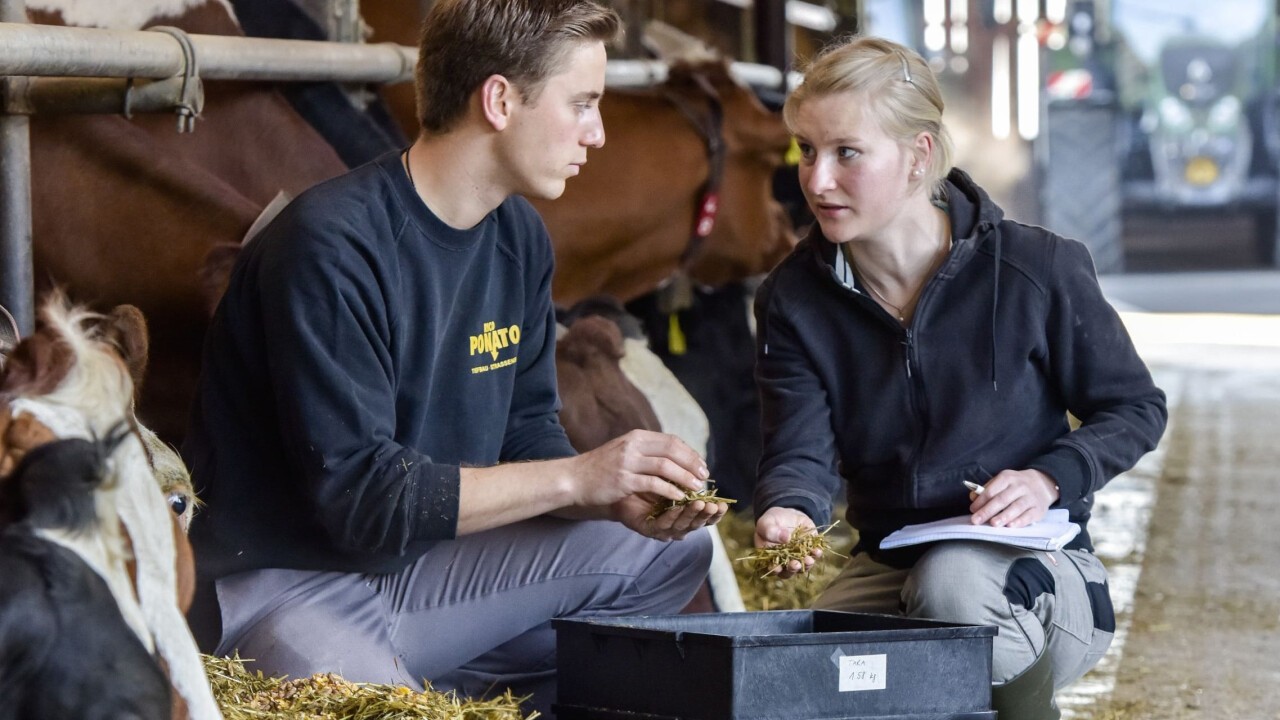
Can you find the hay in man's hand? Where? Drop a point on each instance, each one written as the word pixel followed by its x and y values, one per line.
pixel 707 494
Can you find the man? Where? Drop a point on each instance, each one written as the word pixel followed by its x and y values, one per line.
pixel 382 362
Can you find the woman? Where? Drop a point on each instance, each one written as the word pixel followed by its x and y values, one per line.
pixel 918 339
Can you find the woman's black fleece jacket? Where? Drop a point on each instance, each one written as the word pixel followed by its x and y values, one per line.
pixel 1009 336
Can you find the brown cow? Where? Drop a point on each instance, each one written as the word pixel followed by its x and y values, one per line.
pixel 126 209
pixel 599 402
pixel 622 226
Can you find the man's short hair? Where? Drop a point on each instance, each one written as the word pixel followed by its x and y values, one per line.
pixel 463 42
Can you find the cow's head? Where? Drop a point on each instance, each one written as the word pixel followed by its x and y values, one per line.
pixel 73 378
pixel 81 363
pixel 752 231
pixel 90 366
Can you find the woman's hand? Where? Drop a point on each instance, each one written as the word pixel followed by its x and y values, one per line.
pixel 1014 498
pixel 775 527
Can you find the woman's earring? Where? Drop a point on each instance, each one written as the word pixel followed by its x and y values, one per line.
pixel 917 172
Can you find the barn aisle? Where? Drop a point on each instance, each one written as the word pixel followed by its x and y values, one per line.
pixel 1203 622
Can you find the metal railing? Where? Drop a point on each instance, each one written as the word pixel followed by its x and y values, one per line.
pixel 45 68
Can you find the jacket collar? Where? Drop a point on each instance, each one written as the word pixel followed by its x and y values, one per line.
pixel 973 214
pixel 974 217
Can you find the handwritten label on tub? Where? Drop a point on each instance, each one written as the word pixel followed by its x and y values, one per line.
pixel 862 672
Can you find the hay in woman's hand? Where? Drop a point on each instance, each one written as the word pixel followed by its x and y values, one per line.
pixel 707 494
pixel 804 541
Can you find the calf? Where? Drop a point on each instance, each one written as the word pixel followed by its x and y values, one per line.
pixel 599 403
pixel 71 379
pixel 66 652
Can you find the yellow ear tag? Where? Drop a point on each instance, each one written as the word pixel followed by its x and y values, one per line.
pixel 793 153
pixel 675 336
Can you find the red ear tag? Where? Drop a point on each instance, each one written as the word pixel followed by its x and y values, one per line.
pixel 707 215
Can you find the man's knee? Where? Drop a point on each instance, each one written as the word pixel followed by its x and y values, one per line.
pixel 691 557
pixel 677 569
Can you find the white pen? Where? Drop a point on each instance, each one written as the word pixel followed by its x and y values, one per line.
pixel 973 486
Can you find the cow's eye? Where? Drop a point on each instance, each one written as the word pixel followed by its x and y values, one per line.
pixel 178 504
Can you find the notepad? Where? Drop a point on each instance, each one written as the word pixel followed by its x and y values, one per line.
pixel 1051 533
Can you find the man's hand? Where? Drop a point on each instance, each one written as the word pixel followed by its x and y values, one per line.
pixel 1014 498
pixel 642 464
pixel 674 524
pixel 775 527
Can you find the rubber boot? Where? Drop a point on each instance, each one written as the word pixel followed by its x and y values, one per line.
pixel 1028 696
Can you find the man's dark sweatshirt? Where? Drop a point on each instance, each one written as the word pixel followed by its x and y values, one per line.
pixel 1010 335
pixel 363 352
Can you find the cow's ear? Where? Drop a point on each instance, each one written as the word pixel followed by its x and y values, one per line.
pixel 126 328
pixel 37 365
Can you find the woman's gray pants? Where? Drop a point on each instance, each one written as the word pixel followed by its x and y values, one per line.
pixel 1056 602
pixel 472 614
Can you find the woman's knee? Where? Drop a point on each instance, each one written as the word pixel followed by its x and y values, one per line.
pixel 959 582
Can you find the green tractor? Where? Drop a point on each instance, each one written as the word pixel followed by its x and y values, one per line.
pixel 1166 107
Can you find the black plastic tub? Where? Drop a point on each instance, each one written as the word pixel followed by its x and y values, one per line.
pixel 793 665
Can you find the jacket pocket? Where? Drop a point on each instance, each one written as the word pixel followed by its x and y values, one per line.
pixel 946 487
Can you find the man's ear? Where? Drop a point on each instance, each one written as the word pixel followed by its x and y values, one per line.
pixel 497 101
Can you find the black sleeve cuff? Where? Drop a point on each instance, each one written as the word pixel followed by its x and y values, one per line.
pixel 1069 469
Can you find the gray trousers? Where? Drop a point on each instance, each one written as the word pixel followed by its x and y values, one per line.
pixel 1040 602
pixel 472 614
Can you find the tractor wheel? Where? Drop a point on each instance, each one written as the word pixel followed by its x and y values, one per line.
pixel 1268 237
pixel 1080 194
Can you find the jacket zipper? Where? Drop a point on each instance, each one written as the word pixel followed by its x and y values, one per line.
pixel 906 355
pixel 919 399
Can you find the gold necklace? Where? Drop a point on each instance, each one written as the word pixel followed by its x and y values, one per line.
pixel 902 315
pixel 900 311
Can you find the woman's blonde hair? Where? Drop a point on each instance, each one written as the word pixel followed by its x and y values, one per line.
pixel 901 92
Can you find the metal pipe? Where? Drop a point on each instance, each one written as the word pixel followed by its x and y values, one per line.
pixel 799 13
pixel 48 50
pixel 41 51
pixel 773 35
pixel 99 96
pixel 644 73
pixel 16 286
pixel 17 290
pixel 633 14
